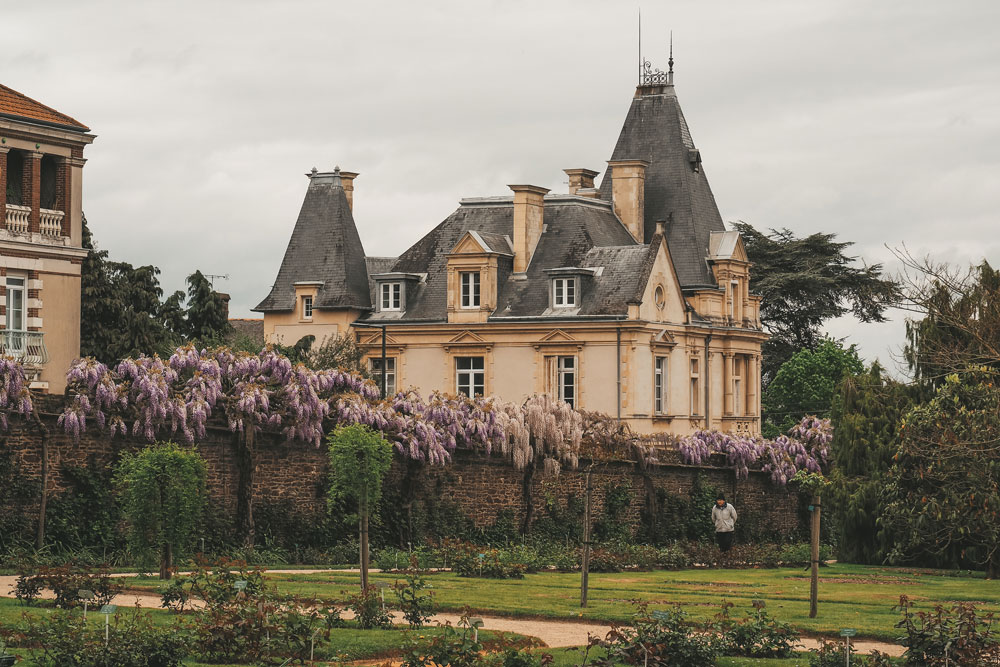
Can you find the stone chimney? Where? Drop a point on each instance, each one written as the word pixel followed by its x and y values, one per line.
pixel 347 180
pixel 580 179
pixel 529 208
pixel 225 303
pixel 628 194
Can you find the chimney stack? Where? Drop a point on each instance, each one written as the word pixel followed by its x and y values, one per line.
pixel 529 208
pixel 628 194
pixel 347 180
pixel 580 179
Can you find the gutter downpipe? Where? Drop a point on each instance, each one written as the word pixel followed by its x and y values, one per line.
pixel 618 368
pixel 383 362
pixel 708 379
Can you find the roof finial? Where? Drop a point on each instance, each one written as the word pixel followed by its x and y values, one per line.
pixel 670 61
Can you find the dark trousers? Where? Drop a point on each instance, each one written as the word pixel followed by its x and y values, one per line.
pixel 725 540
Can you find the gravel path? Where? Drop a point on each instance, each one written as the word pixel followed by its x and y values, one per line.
pixel 554 634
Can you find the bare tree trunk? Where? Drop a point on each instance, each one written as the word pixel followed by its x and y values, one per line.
pixel 814 580
pixel 993 567
pixel 585 561
pixel 166 561
pixel 244 493
pixel 363 529
pixel 43 500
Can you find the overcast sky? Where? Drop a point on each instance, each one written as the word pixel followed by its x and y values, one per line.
pixel 879 121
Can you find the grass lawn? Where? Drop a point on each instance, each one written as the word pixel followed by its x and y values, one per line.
pixel 853 596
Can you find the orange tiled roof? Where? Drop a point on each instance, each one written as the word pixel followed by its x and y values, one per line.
pixel 13 103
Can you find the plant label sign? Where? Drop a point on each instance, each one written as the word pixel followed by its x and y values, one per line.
pixel 109 609
pixel 848 632
pixel 85 594
pixel 661 615
pixel 240 584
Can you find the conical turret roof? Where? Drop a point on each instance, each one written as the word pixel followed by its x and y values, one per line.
pixel 325 247
pixel 677 190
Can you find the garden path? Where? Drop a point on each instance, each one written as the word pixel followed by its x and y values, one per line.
pixel 554 634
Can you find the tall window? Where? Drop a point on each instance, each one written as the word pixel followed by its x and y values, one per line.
pixel 470 375
pixel 15 304
pixel 307 307
pixel 470 289
pixel 695 385
pixel 734 298
pixel 564 292
pixel 392 296
pixel 375 369
pixel 738 400
pixel 566 377
pixel 660 385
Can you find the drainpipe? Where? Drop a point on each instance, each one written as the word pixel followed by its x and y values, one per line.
pixel 708 380
pixel 383 361
pixel 618 367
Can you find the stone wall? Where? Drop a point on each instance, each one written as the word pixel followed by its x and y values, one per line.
pixel 481 487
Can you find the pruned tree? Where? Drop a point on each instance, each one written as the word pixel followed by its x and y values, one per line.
pixel 162 489
pixel 359 460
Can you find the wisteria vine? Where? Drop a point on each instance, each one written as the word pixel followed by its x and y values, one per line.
pixel 805 447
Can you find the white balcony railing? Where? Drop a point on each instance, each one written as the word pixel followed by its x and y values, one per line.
pixel 27 347
pixel 18 218
pixel 51 222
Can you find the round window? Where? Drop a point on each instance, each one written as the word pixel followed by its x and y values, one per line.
pixel 658 296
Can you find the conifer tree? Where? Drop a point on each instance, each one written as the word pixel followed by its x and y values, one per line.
pixel 867 414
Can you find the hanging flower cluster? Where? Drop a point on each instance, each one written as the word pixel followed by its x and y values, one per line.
pixel 541 430
pixel 14 394
pixel 804 448
pixel 148 396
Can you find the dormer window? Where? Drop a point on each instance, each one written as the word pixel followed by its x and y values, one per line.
pixel 564 293
pixel 307 307
pixel 392 296
pixel 470 289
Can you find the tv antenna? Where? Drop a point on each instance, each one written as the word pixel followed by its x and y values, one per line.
pixel 212 276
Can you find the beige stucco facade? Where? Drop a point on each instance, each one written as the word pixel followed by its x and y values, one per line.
pixel 41 232
pixel 615 361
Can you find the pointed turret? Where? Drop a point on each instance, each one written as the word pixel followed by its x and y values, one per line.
pixel 676 190
pixel 325 250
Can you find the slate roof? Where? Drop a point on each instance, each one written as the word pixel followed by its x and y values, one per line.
pixel 677 189
pixel 376 265
pixel 324 247
pixel 19 106
pixel 574 228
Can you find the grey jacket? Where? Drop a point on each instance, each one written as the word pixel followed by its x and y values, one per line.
pixel 724 518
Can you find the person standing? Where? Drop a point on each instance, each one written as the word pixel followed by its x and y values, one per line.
pixel 724 518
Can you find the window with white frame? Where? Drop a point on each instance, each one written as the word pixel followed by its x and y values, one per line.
pixel 307 307
pixel 470 289
pixel 564 292
pixel 695 388
pixel 375 369
pixel 392 296
pixel 660 385
pixel 470 376
pixel 15 304
pixel 566 379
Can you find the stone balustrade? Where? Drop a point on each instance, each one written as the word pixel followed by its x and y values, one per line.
pixel 51 222
pixel 18 218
